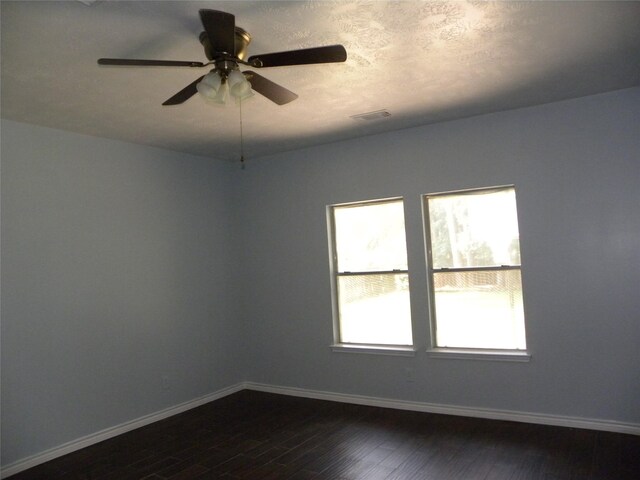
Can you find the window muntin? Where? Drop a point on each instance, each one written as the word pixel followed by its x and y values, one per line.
pixel 371 281
pixel 474 269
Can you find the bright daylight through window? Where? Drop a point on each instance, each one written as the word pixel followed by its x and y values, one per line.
pixel 370 274
pixel 474 269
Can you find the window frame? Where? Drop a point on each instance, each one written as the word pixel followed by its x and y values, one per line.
pixel 433 350
pixel 351 347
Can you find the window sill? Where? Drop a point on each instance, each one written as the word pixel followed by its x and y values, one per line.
pixel 394 350
pixel 478 354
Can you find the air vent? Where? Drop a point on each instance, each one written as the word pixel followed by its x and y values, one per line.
pixel 378 114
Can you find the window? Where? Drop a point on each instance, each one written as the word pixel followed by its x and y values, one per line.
pixel 474 269
pixel 370 274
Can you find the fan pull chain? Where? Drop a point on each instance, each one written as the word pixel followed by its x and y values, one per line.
pixel 242 165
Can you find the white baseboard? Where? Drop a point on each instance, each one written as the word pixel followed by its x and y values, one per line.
pixel 560 421
pixel 107 433
pixel 524 417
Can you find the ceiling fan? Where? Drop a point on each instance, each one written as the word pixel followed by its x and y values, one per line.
pixel 225 45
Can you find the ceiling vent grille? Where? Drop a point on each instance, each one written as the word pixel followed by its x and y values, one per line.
pixel 378 114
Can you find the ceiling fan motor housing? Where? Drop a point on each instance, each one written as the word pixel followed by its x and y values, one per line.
pixel 242 39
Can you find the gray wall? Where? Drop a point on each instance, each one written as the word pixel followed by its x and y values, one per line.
pixel 122 264
pixel 576 168
pixel 117 270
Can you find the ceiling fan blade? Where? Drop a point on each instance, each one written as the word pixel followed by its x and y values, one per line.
pixel 328 54
pixel 147 63
pixel 185 94
pixel 220 28
pixel 269 89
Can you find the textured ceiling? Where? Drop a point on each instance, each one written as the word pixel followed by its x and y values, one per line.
pixel 422 61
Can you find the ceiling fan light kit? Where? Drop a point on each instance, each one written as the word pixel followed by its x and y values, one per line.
pixel 225 45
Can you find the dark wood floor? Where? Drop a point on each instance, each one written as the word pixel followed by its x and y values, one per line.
pixel 252 435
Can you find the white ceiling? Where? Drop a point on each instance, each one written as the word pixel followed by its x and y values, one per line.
pixel 422 61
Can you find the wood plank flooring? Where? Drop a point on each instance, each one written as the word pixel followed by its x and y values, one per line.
pixel 255 436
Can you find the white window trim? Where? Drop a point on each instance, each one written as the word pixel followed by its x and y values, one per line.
pixel 392 350
pixel 435 351
pixel 479 354
pixel 338 346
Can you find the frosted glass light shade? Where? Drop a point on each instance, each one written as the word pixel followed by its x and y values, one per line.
pixel 221 96
pixel 239 87
pixel 211 87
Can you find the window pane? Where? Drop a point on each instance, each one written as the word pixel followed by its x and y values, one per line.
pixel 370 237
pixel 474 229
pixel 479 309
pixel 375 309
